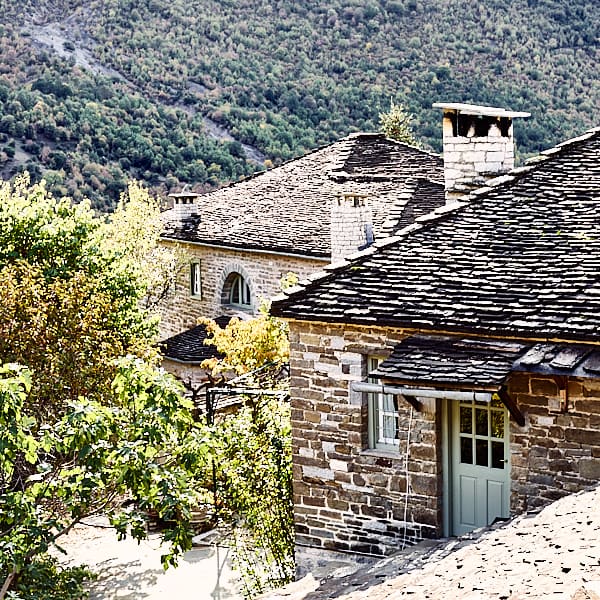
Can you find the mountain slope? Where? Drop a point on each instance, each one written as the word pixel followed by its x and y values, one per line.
pixel 283 77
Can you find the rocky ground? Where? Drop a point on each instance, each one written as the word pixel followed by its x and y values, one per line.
pixel 552 554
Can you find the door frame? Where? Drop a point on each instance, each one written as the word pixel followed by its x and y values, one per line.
pixel 447 474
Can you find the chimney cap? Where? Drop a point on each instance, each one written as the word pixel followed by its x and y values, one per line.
pixel 183 194
pixel 474 109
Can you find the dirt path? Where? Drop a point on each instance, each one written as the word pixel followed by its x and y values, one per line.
pixel 131 571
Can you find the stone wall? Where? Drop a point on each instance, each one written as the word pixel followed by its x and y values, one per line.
pixel 263 272
pixel 558 450
pixel 348 497
pixel 352 498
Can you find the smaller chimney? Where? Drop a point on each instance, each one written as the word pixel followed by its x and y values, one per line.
pixel 185 204
pixel 351 225
pixel 478 145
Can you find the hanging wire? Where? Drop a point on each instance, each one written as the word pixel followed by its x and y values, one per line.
pixel 410 418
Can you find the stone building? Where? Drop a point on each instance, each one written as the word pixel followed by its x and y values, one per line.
pixel 449 375
pixel 241 240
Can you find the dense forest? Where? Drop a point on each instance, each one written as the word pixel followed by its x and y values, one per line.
pixel 95 92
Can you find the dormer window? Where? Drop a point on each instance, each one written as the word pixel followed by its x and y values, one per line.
pixel 236 291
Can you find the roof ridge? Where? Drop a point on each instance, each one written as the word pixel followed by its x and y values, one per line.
pixel 283 164
pixel 425 221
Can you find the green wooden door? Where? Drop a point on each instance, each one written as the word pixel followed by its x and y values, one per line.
pixel 480 490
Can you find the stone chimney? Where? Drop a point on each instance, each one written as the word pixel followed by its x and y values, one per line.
pixel 351 225
pixel 478 145
pixel 185 204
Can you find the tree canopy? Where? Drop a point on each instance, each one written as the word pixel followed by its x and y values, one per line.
pixel 88 420
pixel 129 90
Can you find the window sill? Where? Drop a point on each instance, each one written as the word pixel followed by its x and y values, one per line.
pixel 195 297
pixel 239 307
pixel 391 453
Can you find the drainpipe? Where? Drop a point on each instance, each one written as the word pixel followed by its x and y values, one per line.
pixel 360 386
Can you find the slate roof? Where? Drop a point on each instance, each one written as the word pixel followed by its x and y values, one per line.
pixel 481 364
pixel 520 258
pixel 561 359
pixel 189 347
pixel 450 362
pixel 287 209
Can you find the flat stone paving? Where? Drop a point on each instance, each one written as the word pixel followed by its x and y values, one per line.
pixel 130 571
pixel 552 554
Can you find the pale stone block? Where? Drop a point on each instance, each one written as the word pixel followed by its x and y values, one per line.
pixel 337 342
pixel 338 465
pixel 488 167
pixel 351 358
pixel 495 157
pixel 357 488
pixel 328 447
pixel 354 398
pixel 474 156
pixel 451 156
pixel 317 473
pixel 332 370
pixel 545 421
pixel 307 452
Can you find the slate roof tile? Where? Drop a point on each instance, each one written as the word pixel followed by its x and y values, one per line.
pixel 522 260
pixel 450 362
pixel 475 363
pixel 256 213
pixel 189 347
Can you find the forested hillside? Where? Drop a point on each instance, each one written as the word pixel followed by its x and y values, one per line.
pixel 93 92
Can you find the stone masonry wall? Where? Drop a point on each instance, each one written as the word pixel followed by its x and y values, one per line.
pixel 466 159
pixel 558 450
pixel 348 497
pixel 262 271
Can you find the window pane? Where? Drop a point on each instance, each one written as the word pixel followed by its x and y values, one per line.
pixel 466 420
pixel 498 455
pixel 195 279
pixel 481 421
pixel 235 291
pixel 390 430
pixel 496 402
pixel 481 452
pixel 497 422
pixel 246 297
pixel 389 403
pixel 466 450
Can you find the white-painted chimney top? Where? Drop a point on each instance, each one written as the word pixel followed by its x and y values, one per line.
pixel 185 203
pixel 478 145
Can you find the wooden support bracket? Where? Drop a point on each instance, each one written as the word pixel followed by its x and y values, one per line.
pixel 413 402
pixel 513 409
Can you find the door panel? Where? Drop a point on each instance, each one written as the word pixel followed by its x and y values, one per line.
pixel 480 481
pixel 467 500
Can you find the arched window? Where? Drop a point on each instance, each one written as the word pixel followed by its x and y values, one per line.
pixel 237 291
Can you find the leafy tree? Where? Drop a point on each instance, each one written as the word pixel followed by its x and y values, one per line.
pixel 251 450
pixel 52 475
pixel 396 124
pixel 88 421
pixel 248 345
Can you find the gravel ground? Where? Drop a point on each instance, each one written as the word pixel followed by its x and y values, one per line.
pixel 131 571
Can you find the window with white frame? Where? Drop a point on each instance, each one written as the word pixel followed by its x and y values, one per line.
pixel 195 279
pixel 383 415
